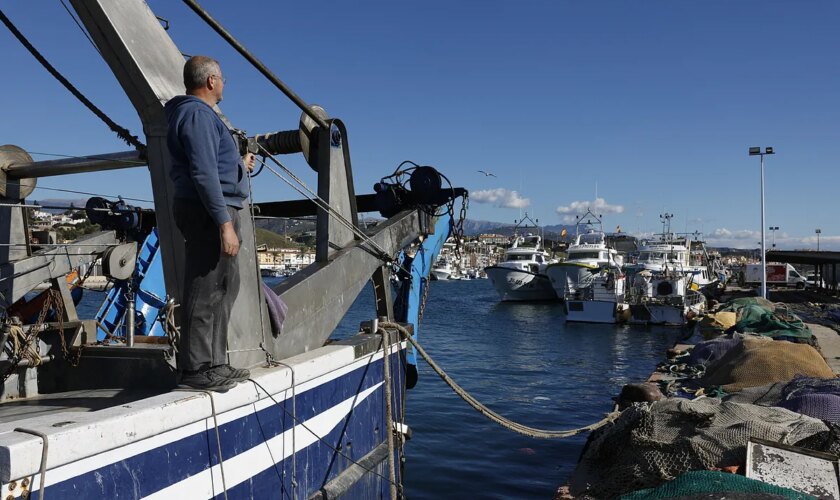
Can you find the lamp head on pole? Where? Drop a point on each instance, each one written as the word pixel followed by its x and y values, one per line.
pixel 756 151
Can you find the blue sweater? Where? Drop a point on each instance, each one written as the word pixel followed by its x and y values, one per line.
pixel 206 165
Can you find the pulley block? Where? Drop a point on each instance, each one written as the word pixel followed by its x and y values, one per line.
pixel 118 262
pixel 17 189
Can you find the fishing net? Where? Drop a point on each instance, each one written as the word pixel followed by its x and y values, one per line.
pixel 777 323
pixel 758 315
pixel 758 361
pixel 814 397
pixel 710 351
pixel 649 444
pixel 735 305
pixel 715 485
pixel 714 324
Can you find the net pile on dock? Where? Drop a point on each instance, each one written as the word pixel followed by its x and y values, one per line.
pixel 649 444
pixel 713 484
pixel 758 315
pixel 815 397
pixel 757 361
pixel 708 352
pixel 717 323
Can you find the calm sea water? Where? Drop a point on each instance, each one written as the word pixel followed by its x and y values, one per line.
pixel 522 361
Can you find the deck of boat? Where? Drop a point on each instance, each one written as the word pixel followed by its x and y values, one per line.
pixel 71 401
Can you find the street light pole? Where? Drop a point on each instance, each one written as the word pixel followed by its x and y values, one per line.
pixel 819 231
pixel 756 151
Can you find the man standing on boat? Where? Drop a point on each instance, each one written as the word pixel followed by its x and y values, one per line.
pixel 210 180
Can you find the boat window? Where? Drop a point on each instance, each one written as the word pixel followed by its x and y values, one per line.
pixel 538 258
pixel 584 255
pixel 591 239
pixel 651 256
pixel 520 256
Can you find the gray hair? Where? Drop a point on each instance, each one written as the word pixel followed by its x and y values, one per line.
pixel 198 69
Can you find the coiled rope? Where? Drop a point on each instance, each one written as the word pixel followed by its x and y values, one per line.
pixel 487 412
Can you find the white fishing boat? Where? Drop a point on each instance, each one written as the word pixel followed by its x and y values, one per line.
pixel 601 300
pixel 676 253
pixel 586 256
pixel 664 298
pixel 520 276
pixel 442 270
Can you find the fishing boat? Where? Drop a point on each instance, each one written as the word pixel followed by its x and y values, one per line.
pixel 266 272
pixel 586 256
pixel 88 409
pixel 664 298
pixel 520 276
pixel 600 300
pixel 676 253
pixel 442 269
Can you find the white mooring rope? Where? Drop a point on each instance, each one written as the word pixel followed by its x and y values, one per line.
pixel 487 412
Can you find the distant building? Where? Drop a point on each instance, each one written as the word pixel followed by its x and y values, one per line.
pixel 284 258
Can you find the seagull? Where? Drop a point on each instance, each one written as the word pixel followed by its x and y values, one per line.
pixel 488 174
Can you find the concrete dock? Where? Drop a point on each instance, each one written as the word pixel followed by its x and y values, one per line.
pixel 828 343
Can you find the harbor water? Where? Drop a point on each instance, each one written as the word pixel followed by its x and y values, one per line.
pixel 525 363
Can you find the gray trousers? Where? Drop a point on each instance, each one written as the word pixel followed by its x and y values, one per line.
pixel 211 283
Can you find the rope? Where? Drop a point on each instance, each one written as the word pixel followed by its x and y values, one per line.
pixel 27 351
pixel 307 192
pixel 389 412
pixel 261 299
pixel 218 442
pixel 91 194
pixel 44 450
pixel 319 438
pixel 121 132
pixel 294 419
pixel 81 28
pixel 218 436
pixel 487 412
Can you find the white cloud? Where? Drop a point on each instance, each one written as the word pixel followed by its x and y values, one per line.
pixel 500 197
pixel 825 241
pixel 741 238
pixel 741 234
pixel 598 206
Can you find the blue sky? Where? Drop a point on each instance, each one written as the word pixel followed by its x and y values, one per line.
pixel 651 104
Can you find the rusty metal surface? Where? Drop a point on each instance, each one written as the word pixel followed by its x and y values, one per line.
pixel 799 469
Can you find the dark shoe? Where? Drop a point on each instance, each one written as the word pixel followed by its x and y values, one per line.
pixel 236 374
pixel 206 380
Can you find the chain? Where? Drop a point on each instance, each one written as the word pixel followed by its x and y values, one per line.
pixel 458 227
pixel 59 316
pixel 171 330
pixel 32 334
pixel 87 274
pixel 424 282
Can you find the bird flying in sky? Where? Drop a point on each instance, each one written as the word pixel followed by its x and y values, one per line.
pixel 488 174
